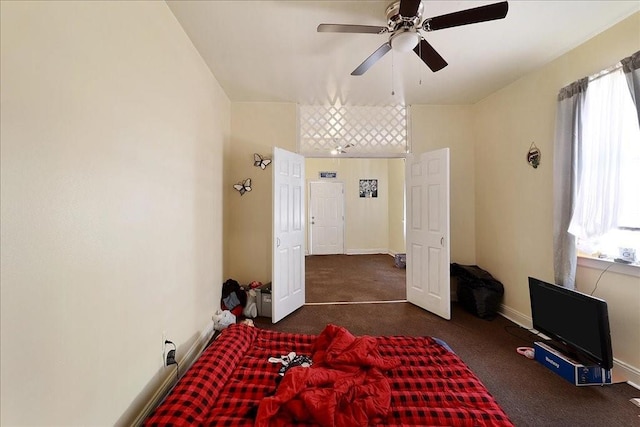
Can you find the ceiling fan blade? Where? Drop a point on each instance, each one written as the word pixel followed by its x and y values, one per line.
pixel 348 28
pixel 429 56
pixel 409 8
pixel 372 59
pixel 469 16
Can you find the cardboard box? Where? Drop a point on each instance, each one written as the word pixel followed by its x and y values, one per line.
pixel 569 369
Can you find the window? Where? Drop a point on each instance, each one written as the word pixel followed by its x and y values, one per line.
pixel 606 216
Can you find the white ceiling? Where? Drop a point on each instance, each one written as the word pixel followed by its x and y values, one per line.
pixel 269 51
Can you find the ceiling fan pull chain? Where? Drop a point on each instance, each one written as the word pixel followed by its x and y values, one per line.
pixel 393 92
pixel 421 68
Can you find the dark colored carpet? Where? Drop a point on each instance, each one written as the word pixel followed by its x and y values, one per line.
pixel 529 393
pixel 353 278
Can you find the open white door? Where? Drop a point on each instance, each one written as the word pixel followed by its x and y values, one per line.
pixel 288 234
pixel 428 258
pixel 326 212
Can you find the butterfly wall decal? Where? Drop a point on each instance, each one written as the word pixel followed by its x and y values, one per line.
pixel 260 161
pixel 243 186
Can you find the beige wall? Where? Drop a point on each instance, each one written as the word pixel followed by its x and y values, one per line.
pixel 439 126
pixel 371 224
pixel 111 156
pixel 514 202
pixel 397 241
pixel 255 128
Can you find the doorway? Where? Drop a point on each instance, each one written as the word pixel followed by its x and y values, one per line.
pixel 373 225
pixel 326 218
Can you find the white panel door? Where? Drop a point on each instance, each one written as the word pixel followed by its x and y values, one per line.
pixel 326 216
pixel 428 257
pixel 288 234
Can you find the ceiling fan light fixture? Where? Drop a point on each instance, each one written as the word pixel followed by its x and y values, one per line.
pixel 405 41
pixel 403 22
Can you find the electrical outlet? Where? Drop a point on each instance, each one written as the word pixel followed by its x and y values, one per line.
pixel 171 357
pixel 168 351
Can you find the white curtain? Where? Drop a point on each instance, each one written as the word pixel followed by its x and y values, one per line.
pixel 565 176
pixel 605 133
pixel 590 213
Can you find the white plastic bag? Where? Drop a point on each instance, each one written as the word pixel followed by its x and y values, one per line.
pixel 222 319
pixel 251 309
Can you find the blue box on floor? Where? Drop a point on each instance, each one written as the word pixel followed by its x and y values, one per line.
pixel 569 369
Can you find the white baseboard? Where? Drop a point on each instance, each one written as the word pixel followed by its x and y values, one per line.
pixel 366 251
pixel 623 370
pixel 630 373
pixel 169 382
pixel 361 252
pixel 515 316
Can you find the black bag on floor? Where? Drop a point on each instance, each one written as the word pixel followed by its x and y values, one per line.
pixel 478 292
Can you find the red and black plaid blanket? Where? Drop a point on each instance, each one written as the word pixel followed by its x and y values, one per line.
pixel 430 386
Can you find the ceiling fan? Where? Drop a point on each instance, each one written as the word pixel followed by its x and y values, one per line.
pixel 405 21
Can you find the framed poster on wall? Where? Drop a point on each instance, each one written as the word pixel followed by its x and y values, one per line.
pixel 368 188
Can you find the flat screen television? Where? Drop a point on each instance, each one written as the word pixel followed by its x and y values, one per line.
pixel 577 321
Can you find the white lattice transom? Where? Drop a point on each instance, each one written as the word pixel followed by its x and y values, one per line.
pixel 352 130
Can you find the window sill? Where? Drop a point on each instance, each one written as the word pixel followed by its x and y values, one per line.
pixel 615 267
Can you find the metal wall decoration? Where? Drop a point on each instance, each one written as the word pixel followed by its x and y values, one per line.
pixel 368 188
pixel 261 162
pixel 533 155
pixel 243 186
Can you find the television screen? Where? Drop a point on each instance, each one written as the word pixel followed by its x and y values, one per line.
pixel 578 321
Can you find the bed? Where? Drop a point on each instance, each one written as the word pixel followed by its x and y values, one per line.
pixel 387 381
